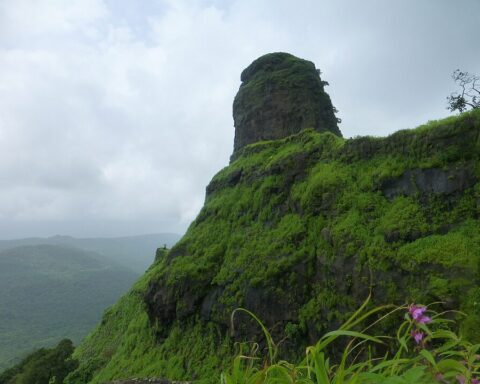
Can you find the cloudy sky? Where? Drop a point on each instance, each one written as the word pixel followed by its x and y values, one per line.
pixel 115 114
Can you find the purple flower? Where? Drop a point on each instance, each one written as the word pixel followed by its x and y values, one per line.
pixel 463 380
pixel 417 335
pixel 424 320
pixel 417 313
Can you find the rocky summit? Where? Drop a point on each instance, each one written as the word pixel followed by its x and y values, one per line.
pixel 299 229
pixel 280 95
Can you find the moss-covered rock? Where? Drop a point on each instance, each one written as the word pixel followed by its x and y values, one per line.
pixel 280 95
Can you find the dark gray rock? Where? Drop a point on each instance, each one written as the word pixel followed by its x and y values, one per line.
pixel 210 302
pixel 166 303
pixel 161 302
pixel 279 96
pixel 429 181
pixel 327 235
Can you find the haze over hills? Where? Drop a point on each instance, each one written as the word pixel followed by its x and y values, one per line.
pixel 50 292
pixel 135 252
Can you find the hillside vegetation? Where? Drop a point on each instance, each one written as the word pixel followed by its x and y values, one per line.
pixel 44 366
pixel 298 231
pixel 52 292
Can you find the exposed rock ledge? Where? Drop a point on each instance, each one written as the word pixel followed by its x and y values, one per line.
pixel 430 181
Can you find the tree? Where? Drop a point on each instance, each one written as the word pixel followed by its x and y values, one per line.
pixel 43 366
pixel 469 94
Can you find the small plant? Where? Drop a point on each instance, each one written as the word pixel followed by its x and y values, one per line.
pixel 425 351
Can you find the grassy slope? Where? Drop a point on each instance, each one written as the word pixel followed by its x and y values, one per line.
pixel 310 206
pixel 51 292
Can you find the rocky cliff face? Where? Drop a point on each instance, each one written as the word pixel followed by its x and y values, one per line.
pixel 299 230
pixel 280 95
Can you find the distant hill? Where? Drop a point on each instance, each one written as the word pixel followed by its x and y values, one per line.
pixel 135 252
pixel 50 292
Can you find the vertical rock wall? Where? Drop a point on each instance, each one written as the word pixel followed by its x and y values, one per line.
pixel 279 96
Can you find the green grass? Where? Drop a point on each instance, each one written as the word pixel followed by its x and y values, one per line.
pixel 441 356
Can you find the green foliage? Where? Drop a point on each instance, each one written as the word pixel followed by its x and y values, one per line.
pixel 404 218
pixel 458 248
pixel 439 355
pixel 320 188
pixel 44 366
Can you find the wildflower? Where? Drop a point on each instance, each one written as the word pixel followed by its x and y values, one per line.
pixel 417 313
pixel 417 335
pixel 424 320
pixel 462 380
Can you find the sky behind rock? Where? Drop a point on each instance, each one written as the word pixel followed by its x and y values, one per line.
pixel 115 114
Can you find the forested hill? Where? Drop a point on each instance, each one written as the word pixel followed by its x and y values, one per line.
pixel 51 292
pixel 298 229
pixel 135 252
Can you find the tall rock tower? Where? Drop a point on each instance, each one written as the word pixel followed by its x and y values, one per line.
pixel 280 95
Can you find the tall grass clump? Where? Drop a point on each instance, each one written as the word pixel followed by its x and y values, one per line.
pixel 424 350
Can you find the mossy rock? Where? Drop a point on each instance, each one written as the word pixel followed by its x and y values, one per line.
pixel 280 95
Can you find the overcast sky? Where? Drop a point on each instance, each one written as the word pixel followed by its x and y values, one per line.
pixel 115 114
